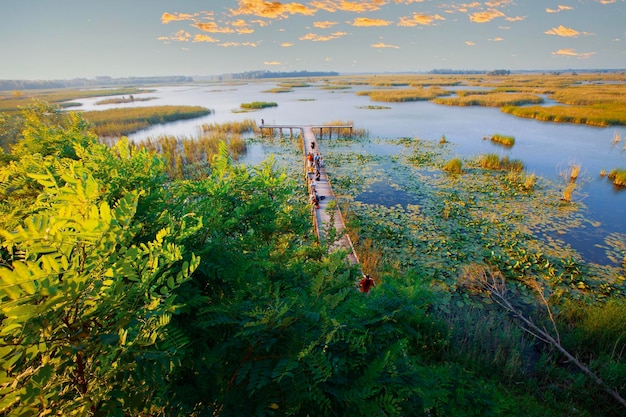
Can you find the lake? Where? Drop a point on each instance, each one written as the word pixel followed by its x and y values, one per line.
pixel 546 149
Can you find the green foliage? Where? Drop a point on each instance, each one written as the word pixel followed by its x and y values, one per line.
pixel 85 300
pixel 454 166
pixel 257 105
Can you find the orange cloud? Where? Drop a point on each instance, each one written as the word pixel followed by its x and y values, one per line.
pixel 286 44
pixel 572 52
pixel 271 10
pixel 559 9
pixel 487 16
pixel 408 1
pixel 319 38
pixel 498 39
pixel 563 31
pixel 169 17
pixel 204 38
pixel 365 21
pixel 212 27
pixel 514 19
pixel 324 25
pixel 384 45
pixel 418 19
pixel 231 44
pixel 498 3
pixel 271 63
pixel 606 1
pixel 470 43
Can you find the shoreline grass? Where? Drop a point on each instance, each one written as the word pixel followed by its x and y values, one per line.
pixel 258 105
pixel 503 140
pixel 123 121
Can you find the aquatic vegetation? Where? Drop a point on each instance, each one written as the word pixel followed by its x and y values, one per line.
pixel 618 176
pixel 493 161
pixel 122 121
pixel 454 166
pixel 503 139
pixel 489 99
pixel 257 105
pixel 374 107
pixel 402 95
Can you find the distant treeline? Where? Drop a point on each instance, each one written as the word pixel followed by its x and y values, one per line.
pixel 268 74
pixel 84 82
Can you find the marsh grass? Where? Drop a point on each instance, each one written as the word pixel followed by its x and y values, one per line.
pixel 618 176
pixel 568 192
pixel 123 121
pixel 489 99
pixel 454 166
pixel 403 95
pixel 504 140
pixel 494 162
pixel 257 105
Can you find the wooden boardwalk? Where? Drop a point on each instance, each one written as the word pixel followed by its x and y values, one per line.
pixel 328 216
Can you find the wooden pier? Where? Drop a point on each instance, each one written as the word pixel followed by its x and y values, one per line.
pixel 273 128
pixel 327 218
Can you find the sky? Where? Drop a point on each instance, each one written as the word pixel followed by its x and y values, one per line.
pixel 64 39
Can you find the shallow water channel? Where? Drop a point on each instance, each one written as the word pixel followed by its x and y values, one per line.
pixel 546 149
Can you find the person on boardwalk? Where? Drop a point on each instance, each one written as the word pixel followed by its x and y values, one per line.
pixel 366 284
pixel 315 202
pixel 309 158
pixel 262 122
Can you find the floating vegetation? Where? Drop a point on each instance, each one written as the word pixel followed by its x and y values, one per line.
pixel 306 99
pixel 124 100
pixel 279 90
pixel 489 99
pixel 454 166
pixel 504 140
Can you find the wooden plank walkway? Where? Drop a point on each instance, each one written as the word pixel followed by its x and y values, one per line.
pixel 326 217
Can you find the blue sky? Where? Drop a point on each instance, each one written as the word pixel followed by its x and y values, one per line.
pixel 60 39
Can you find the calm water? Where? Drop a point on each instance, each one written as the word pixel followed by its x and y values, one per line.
pixel 546 148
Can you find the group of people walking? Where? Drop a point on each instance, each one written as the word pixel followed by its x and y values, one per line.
pixel 314 161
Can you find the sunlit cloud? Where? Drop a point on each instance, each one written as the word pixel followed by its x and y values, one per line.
pixel 212 27
pixel 270 10
pixel 176 17
pixel 180 36
pixel 286 44
pixel 463 8
pixel 320 38
pixel 384 45
pixel 486 16
pixel 271 63
pixel 204 38
pixel 606 1
pixel 365 21
pixel 324 25
pixel 515 18
pixel 498 3
pixel 498 39
pixel 470 43
pixel 573 53
pixel 408 1
pixel 418 19
pixel 559 9
pixel 563 31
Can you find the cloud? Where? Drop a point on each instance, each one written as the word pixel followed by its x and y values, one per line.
pixel 212 27
pixel 204 38
pixel 573 53
pixel 606 1
pixel 498 39
pixel 408 1
pixel 384 45
pixel 319 38
pixel 563 31
pixel 324 25
pixel 560 8
pixel 366 21
pixel 486 16
pixel 286 44
pixel 169 17
pixel 498 3
pixel 418 19
pixel 180 36
pixel 470 43
pixel 271 10
pixel 271 63
pixel 515 19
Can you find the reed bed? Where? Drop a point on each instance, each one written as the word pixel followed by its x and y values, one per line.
pixel 494 162
pixel 257 105
pixel 243 126
pixel 504 140
pixel 618 176
pixel 489 99
pixel 404 95
pixel 597 115
pixel 119 122
pixel 454 166
pixel 343 132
